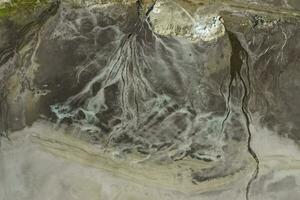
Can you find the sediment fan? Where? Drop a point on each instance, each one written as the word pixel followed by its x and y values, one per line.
pixel 167 93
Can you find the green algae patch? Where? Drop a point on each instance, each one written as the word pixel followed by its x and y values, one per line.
pixel 21 9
